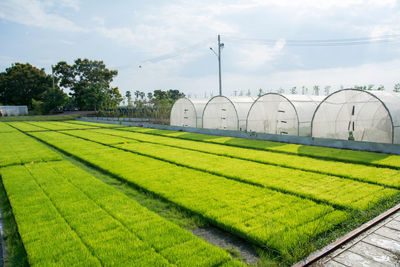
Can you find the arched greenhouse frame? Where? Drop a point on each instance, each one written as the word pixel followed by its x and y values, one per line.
pixel 353 114
pixel 227 113
pixel 188 112
pixel 276 113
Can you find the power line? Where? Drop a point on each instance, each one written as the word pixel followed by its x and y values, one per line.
pixel 383 39
pixel 393 38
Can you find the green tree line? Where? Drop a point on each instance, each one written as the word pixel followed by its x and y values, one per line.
pixel 87 81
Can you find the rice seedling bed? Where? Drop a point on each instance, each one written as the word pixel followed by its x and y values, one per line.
pixel 322 188
pixel 382 176
pixel 18 148
pixel 281 199
pixel 25 126
pixel 5 128
pixel 102 125
pixel 112 227
pixel 278 221
pixel 343 155
pixel 56 125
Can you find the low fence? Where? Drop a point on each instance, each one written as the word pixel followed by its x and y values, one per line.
pixel 311 141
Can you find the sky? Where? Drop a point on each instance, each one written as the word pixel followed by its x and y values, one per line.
pixel 171 42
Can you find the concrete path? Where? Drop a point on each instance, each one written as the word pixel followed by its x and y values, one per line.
pixel 379 246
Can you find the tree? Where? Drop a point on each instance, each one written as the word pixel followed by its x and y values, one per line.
pixel 364 87
pixel 293 90
pixel 304 90
pixel 129 98
pixel 260 92
pixel 89 83
pixel 396 88
pixel 22 83
pixel 327 89
pixel 316 89
pixel 380 88
pixel 54 100
pixel 137 94
pixel 149 97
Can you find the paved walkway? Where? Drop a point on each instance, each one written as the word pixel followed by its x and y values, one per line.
pixel 379 246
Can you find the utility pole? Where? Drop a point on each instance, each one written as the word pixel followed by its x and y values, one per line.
pixel 220 46
pixel 219 64
pixel 52 75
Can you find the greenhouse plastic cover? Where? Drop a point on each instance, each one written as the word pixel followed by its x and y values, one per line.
pixel 188 112
pixel 227 113
pixel 14 110
pixel 372 116
pixel 275 113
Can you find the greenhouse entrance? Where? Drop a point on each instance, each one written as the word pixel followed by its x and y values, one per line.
pixel 275 113
pixel 227 113
pixel 187 112
pixel 352 114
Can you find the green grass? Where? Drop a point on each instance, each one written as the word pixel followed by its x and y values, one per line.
pixel 17 148
pixel 368 158
pixel 330 189
pixel 278 221
pixel 382 176
pixel 99 224
pixel 40 118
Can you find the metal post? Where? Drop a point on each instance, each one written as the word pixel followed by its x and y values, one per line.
pixel 52 75
pixel 219 64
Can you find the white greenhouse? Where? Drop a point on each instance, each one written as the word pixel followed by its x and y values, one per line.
pixel 188 112
pixel 227 113
pixel 351 114
pixel 275 113
pixel 14 110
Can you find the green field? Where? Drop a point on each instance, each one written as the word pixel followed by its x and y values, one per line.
pixel 286 199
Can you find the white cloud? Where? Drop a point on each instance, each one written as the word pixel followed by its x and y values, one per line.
pixel 252 57
pixel 382 30
pixel 326 4
pixel 33 13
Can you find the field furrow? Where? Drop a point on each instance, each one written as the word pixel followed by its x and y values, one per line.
pixel 330 189
pixel 269 218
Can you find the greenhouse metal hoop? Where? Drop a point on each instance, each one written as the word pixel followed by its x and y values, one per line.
pixel 195 112
pixel 297 115
pixel 350 89
pixel 205 107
